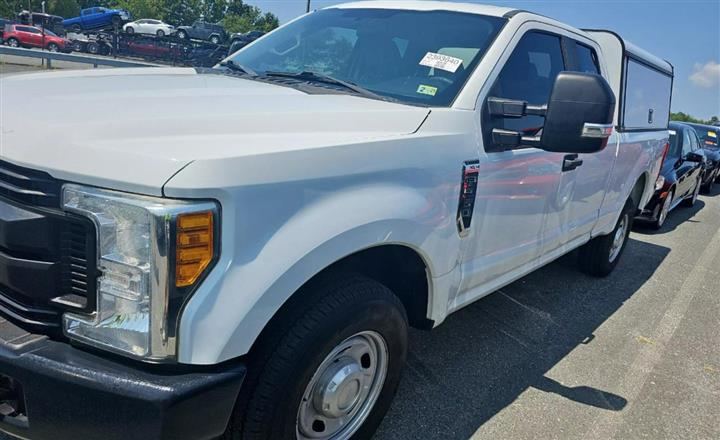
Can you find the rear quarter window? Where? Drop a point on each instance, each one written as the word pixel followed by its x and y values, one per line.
pixel 587 59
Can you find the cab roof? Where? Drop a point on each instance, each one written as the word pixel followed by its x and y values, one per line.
pixel 416 5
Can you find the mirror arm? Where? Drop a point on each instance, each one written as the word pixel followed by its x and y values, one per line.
pixel 509 139
pixel 511 108
pixel 536 110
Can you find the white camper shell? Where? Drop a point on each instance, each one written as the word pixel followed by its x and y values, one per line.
pixel 642 83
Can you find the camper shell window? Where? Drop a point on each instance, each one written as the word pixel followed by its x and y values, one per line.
pixel 641 81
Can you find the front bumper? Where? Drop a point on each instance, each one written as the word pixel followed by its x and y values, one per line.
pixel 51 390
pixel 652 209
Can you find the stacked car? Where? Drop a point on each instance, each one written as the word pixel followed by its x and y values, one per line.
pixel 19 35
pixel 149 27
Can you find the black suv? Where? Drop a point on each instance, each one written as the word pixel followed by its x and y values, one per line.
pixel 201 30
pixel 238 41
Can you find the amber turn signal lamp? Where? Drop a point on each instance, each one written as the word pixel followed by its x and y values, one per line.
pixel 194 247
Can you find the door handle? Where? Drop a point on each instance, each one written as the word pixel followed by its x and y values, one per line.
pixel 570 162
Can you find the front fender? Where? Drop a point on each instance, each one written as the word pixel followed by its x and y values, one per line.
pixel 268 254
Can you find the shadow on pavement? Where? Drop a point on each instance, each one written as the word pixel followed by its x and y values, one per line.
pixel 483 357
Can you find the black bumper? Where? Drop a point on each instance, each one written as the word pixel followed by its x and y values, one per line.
pixel 51 390
pixel 652 209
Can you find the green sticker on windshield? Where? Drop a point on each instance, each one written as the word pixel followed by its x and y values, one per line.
pixel 427 90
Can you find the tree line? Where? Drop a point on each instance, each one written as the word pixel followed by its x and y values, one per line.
pixel 684 117
pixel 234 15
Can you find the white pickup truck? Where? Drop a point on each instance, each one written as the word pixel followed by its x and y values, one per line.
pixel 239 251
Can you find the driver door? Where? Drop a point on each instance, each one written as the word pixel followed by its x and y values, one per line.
pixel 517 199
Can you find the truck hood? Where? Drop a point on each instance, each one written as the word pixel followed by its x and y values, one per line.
pixel 133 129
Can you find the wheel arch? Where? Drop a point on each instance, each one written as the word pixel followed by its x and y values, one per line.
pixel 399 267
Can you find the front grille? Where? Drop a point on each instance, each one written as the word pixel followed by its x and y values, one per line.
pixel 47 256
pixel 30 187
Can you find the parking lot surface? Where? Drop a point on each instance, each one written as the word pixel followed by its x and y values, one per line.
pixel 559 355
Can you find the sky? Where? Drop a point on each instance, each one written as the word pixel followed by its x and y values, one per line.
pixel 684 32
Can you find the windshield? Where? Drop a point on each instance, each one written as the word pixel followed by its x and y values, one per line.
pixel 418 57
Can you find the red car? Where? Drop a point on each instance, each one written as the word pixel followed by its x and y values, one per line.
pixel 20 35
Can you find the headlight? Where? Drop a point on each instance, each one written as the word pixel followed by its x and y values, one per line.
pixel 151 253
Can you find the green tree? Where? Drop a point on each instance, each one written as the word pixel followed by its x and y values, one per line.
pixel 241 17
pixel 63 8
pixel 180 12
pixel 141 8
pixel 213 11
pixel 684 117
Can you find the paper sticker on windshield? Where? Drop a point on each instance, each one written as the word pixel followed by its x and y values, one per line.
pixel 427 90
pixel 712 134
pixel 442 62
pixel 672 132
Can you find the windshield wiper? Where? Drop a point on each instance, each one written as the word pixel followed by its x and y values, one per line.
pixel 327 79
pixel 232 65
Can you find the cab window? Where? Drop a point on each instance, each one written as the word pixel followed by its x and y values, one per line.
pixel 694 141
pixel 686 144
pixel 529 75
pixel 587 59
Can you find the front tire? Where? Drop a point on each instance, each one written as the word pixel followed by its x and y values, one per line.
pixel 182 35
pixel 600 255
pixel 664 211
pixel 328 367
pixel 52 47
pixel 160 33
pixel 215 39
pixel 130 30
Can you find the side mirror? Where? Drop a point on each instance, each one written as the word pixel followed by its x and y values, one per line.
pixel 578 116
pixel 695 157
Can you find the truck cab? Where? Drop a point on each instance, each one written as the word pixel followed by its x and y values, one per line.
pixel 241 250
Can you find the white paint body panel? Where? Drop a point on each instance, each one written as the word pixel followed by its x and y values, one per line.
pixel 305 180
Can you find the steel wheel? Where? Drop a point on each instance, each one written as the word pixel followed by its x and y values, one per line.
pixel 619 238
pixel 342 392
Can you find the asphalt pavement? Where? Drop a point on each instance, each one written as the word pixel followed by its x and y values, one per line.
pixel 560 355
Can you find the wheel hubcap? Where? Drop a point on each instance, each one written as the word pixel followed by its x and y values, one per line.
pixel 344 388
pixel 619 238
